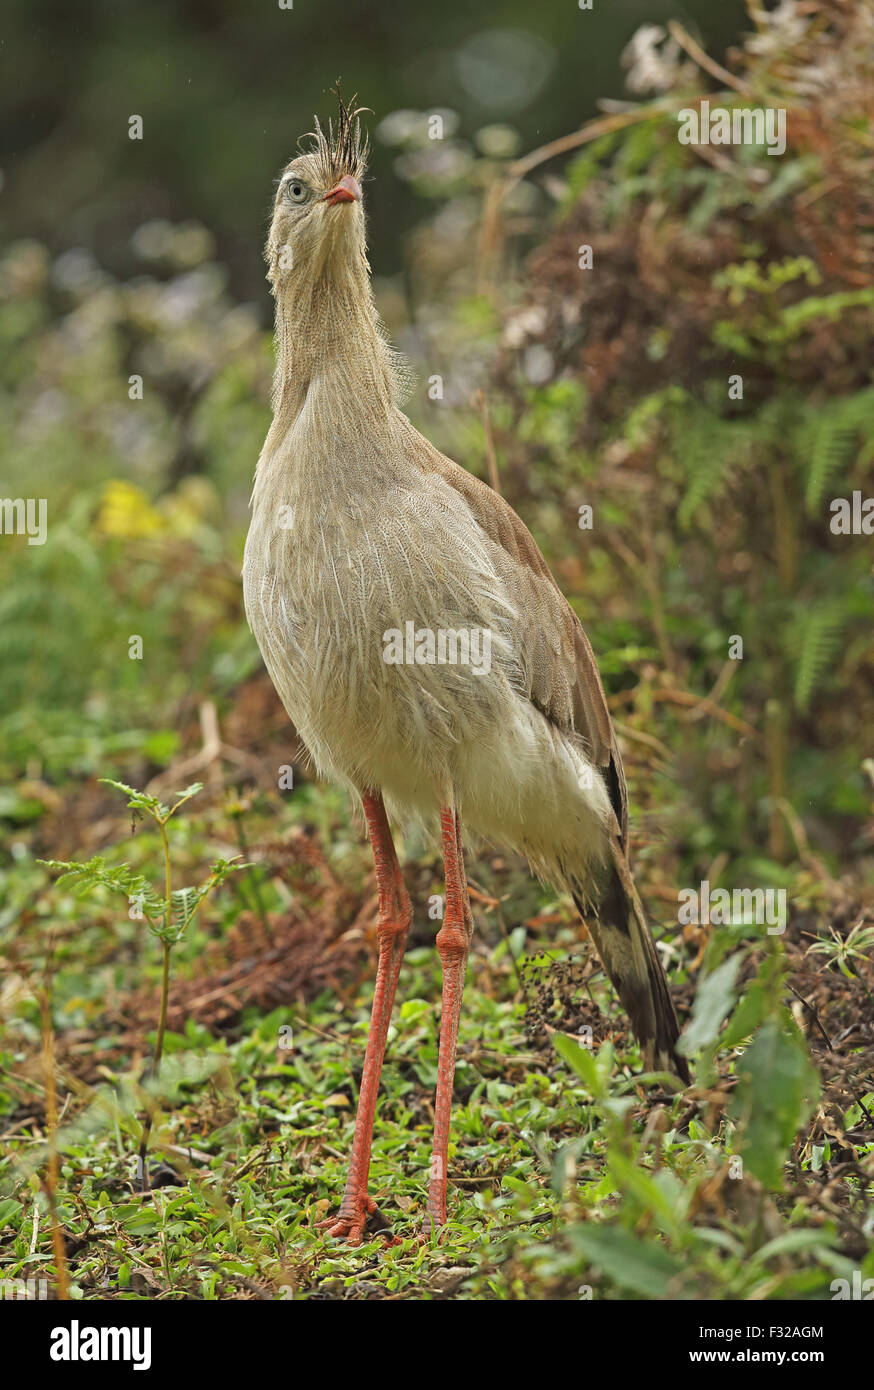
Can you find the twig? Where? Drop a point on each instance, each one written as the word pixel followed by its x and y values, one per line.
pixel 698 55
pixel 719 688
pixel 685 697
pixel 639 736
pixel 480 896
pixel 602 125
pixel 592 130
pixel 208 760
pixel 811 1009
pixel 212 743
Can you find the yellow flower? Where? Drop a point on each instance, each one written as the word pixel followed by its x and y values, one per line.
pixel 126 512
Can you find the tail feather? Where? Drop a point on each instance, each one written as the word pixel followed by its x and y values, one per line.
pixel 628 953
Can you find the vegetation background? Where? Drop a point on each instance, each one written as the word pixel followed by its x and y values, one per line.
pixel 190 1152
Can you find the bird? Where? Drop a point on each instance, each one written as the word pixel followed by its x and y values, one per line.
pixel 420 645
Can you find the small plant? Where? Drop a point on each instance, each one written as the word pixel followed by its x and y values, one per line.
pixel 166 915
pixel 843 950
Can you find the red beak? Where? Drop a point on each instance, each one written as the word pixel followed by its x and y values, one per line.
pixel 348 190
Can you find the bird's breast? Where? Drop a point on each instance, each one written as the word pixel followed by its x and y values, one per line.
pixel 382 623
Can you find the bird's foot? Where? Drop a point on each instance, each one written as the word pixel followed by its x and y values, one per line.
pixel 356 1219
pixel 432 1225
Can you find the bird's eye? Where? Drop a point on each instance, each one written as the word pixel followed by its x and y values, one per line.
pixel 297 191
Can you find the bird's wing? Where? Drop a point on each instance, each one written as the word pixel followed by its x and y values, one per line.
pixel 563 677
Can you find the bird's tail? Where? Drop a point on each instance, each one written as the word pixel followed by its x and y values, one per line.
pixel 628 953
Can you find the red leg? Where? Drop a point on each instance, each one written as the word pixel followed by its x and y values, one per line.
pixel 395 914
pixel 453 943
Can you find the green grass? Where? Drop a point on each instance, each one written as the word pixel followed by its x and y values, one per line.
pixel 570 1176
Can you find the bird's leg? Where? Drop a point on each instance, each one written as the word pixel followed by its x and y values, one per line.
pixel 395 914
pixel 453 943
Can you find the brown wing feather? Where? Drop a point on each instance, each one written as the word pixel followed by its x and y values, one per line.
pixel 564 680
pixel 565 684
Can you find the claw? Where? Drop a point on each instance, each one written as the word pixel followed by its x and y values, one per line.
pixel 367 1218
pixel 342 1229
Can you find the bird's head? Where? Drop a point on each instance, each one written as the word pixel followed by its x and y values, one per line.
pixel 317 267
pixel 317 228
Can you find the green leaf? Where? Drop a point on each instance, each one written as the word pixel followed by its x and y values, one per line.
pixel 9 1210
pixel 150 805
pixel 186 901
pixel 581 1061
pixel 712 1004
pixel 776 1091
pixel 750 1012
pixel 788 1243
pixel 644 1268
pixel 94 873
pixel 161 746
pixel 182 1069
pixel 181 797
pixel 668 1207
pixel 564 1163
pixel 139 801
pixel 813 639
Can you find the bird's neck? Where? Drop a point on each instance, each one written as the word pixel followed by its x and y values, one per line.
pixel 328 336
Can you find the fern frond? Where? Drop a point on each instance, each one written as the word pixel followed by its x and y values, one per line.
pixel 837 429
pixel 711 451
pixel 94 873
pixel 813 641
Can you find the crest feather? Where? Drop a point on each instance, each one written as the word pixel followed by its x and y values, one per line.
pixel 342 149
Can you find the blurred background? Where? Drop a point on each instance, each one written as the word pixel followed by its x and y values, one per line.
pixel 225 89
pixel 140 260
